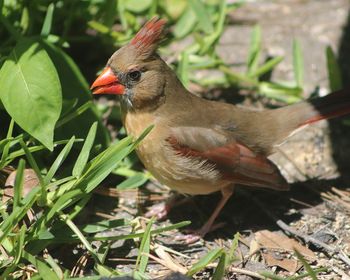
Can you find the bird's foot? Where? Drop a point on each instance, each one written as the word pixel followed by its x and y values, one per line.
pixel 160 211
pixel 193 236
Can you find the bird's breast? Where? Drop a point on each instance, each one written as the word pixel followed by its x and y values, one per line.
pixel 183 174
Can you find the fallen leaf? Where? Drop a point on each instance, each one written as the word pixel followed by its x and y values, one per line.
pixel 271 240
pixel 290 265
pixel 30 180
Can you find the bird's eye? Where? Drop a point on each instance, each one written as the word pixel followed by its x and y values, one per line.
pixel 134 75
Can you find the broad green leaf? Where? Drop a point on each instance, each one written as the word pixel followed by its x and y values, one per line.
pixel 298 64
pixel 137 6
pixel 74 86
pixel 204 18
pixel 185 24
pixel 334 73
pixel 31 90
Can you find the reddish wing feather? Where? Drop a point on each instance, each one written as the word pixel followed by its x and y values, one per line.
pixel 238 164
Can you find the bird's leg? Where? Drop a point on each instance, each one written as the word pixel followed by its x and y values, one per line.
pixel 209 225
pixel 161 210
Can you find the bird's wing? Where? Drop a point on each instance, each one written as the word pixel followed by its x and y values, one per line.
pixel 235 161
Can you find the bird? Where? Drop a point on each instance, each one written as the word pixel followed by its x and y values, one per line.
pixel 199 146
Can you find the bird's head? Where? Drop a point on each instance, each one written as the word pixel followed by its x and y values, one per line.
pixel 135 71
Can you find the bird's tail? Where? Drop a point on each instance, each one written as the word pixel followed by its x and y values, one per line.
pixel 292 117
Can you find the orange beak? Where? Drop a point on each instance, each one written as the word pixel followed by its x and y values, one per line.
pixel 107 83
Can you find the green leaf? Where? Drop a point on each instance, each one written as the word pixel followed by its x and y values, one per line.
pixel 18 188
pixel 74 86
pixel 203 262
pixel 18 213
pixel 58 161
pixel 254 51
pixel 142 258
pixel 204 18
pixel 268 66
pixel 233 248
pixel 334 73
pixel 103 225
pixel 101 166
pixel 81 236
pixel 6 145
pixel 185 24
pixel 298 64
pixel 219 272
pixel 85 151
pixel 280 92
pixel 46 29
pixel 307 267
pixel 31 91
pixel 183 68
pixel 133 182
pixel 137 6
pixel 44 270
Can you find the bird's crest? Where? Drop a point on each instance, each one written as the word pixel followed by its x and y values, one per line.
pixel 146 40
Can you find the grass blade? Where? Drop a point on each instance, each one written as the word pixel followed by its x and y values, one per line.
pixel 32 161
pixel 85 151
pixel 44 270
pixel 233 248
pixel 298 64
pixel 74 114
pixel 142 258
pixel 6 148
pixel 334 73
pixel 18 213
pixel 307 267
pixel 18 187
pixel 46 29
pixel 268 66
pixel 219 272
pixel 80 235
pixel 58 161
pixel 203 262
pixel 254 51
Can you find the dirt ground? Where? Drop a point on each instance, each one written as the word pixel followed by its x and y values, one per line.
pixel 315 215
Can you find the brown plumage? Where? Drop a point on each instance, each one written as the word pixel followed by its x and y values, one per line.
pixel 199 146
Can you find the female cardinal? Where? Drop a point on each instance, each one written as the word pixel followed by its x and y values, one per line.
pixel 199 146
